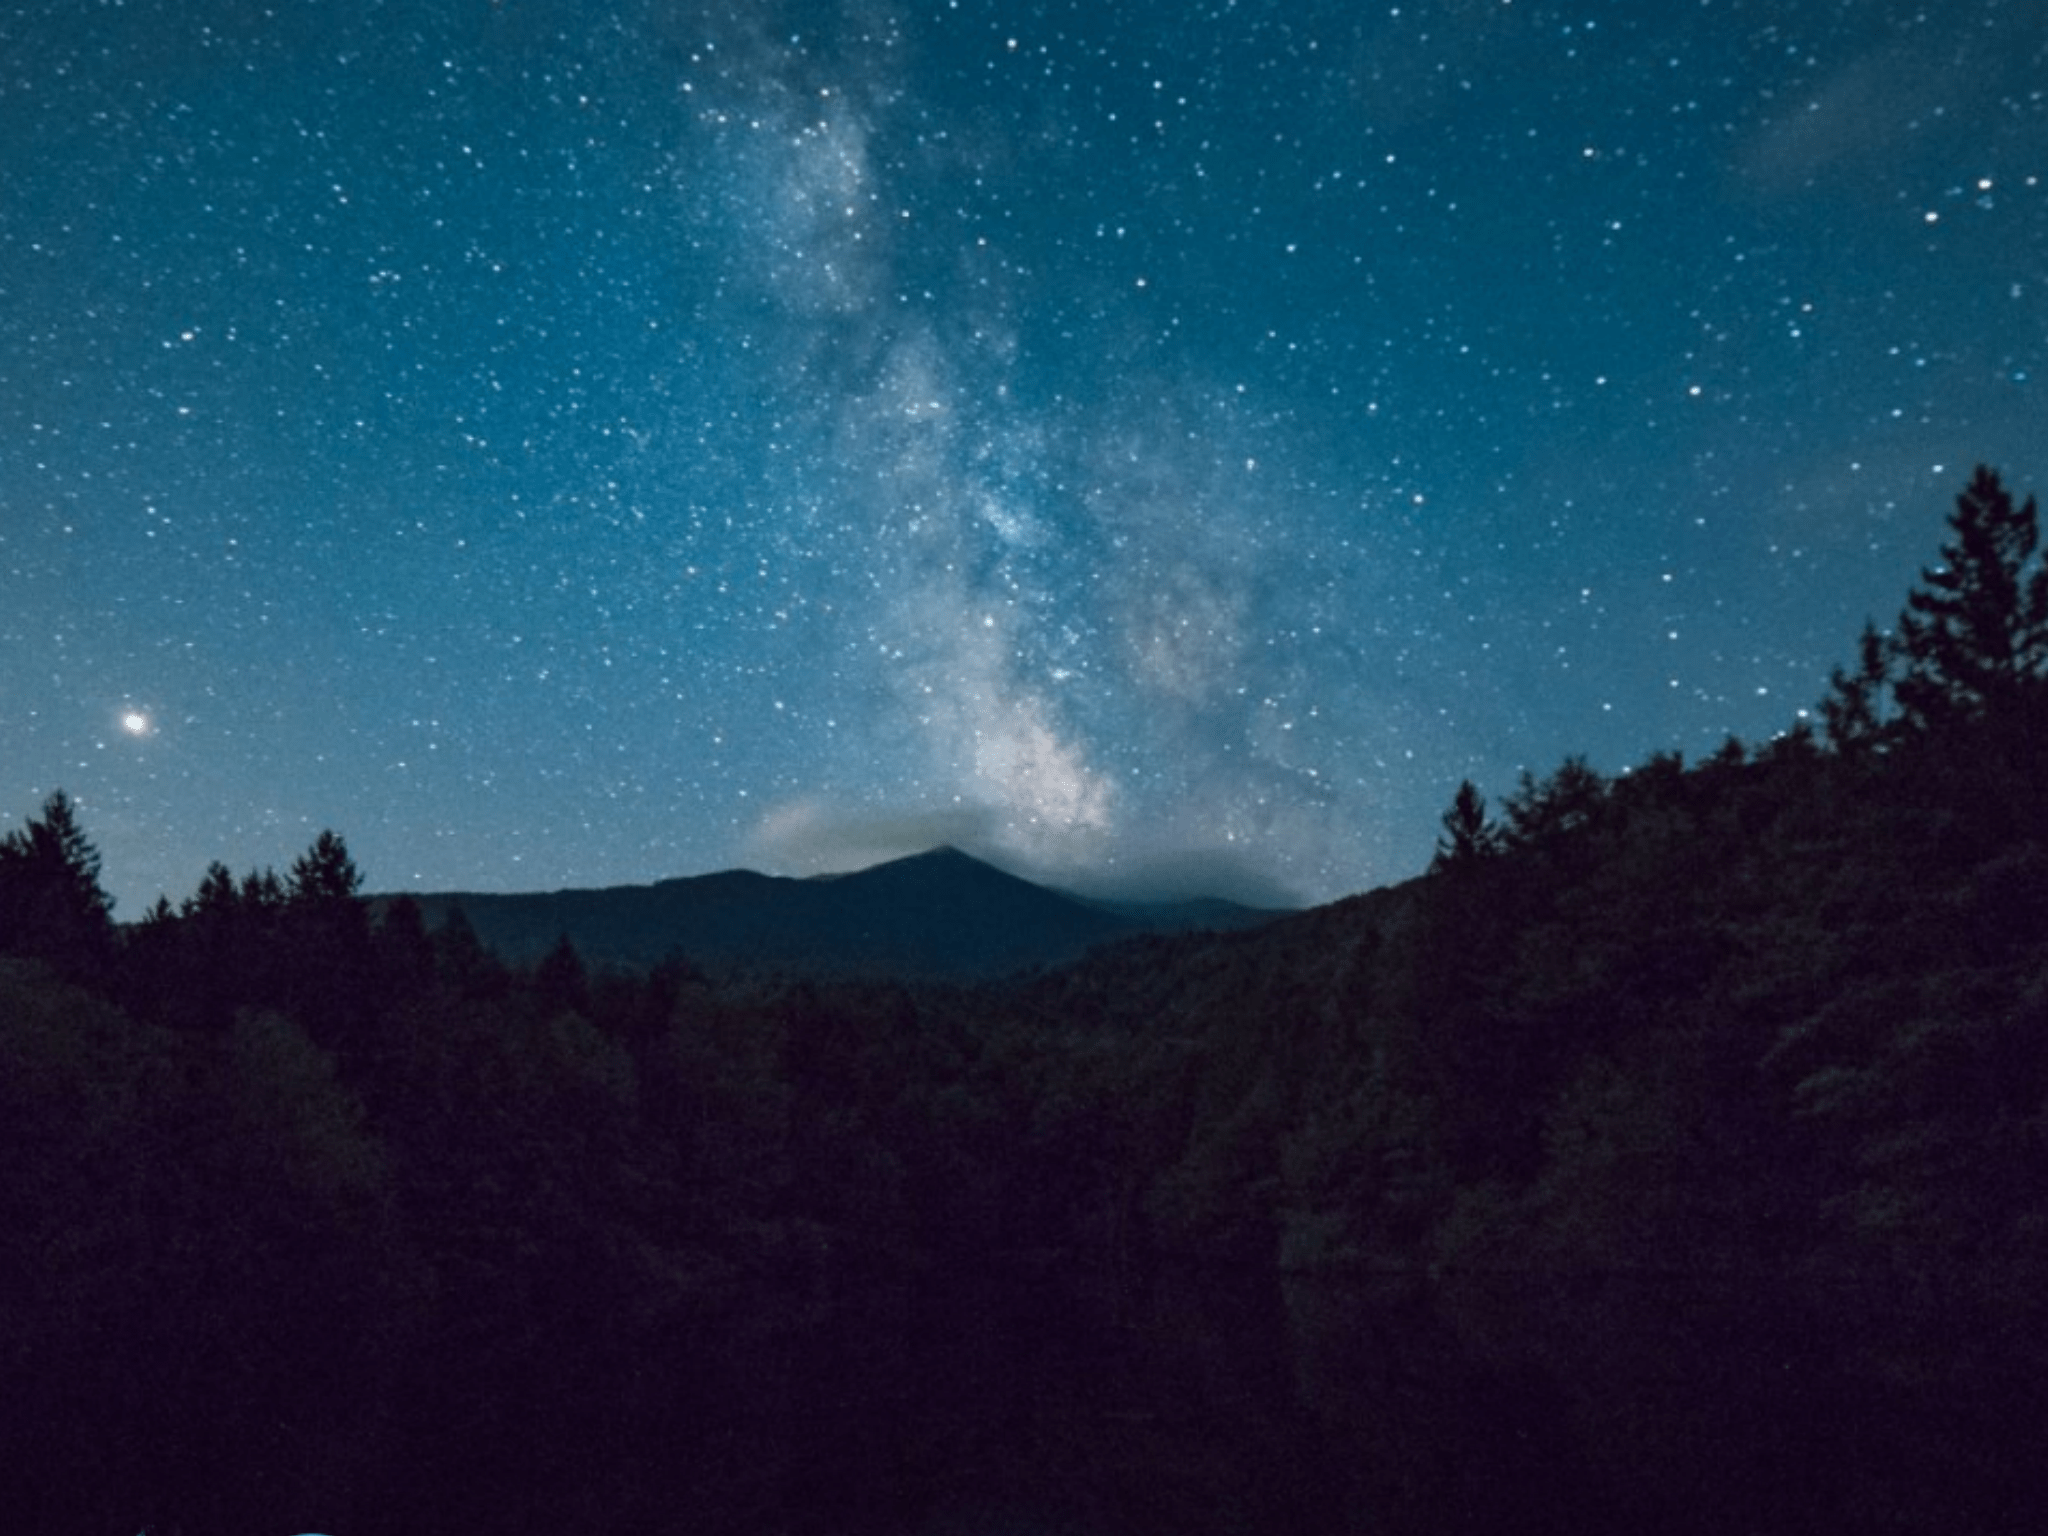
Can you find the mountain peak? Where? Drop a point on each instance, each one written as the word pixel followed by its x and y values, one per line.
pixel 941 912
pixel 936 853
pixel 941 856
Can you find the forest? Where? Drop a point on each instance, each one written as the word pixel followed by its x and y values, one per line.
pixel 1672 1155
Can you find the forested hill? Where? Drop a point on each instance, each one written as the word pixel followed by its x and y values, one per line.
pixel 1703 1109
pixel 938 914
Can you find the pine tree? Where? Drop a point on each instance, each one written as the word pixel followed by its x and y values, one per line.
pixel 52 906
pixel 262 891
pixel 462 960
pixel 404 952
pixel 325 948
pixel 1467 833
pixel 216 898
pixel 1974 636
pixel 324 874
pixel 1541 809
pixel 1855 713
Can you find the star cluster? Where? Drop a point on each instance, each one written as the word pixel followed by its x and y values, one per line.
pixel 1163 445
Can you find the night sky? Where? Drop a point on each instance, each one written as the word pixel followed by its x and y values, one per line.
pixel 1160 443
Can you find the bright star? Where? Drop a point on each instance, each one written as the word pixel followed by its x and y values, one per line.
pixel 135 722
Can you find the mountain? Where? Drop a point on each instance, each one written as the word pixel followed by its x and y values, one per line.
pixel 942 913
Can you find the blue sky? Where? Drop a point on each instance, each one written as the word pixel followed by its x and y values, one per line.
pixel 1152 445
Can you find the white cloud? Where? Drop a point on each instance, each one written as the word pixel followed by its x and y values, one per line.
pixel 812 836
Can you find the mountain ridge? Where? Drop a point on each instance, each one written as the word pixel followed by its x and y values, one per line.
pixel 938 914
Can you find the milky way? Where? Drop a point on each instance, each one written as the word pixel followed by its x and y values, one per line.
pixel 1157 446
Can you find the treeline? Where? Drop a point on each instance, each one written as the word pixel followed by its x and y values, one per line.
pixel 1710 1098
pixel 309 1220
pixel 1715 1094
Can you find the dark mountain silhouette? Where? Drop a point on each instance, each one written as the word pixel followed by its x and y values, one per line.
pixel 1670 1157
pixel 940 914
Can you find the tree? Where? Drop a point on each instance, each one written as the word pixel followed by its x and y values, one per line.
pixel 1467 833
pixel 462 960
pixel 1855 713
pixel 1974 636
pixel 1794 745
pixel 325 932
pixel 1570 798
pixel 560 980
pixel 324 873
pixel 52 906
pixel 262 891
pixel 405 953
pixel 216 899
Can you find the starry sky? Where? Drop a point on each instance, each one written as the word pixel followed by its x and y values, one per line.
pixel 1157 445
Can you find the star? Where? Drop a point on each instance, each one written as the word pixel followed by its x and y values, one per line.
pixel 1175 432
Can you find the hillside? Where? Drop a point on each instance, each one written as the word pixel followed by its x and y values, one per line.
pixel 1673 1156
pixel 936 914
pixel 1693 1135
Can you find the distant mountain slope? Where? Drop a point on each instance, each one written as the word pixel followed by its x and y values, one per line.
pixel 937 914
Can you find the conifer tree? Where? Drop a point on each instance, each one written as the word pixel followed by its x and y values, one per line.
pixel 216 899
pixel 1467 832
pixel 1974 636
pixel 52 905
pixel 1542 808
pixel 1855 712
pixel 324 873
pixel 462 960
pixel 262 891
pixel 404 952
pixel 326 943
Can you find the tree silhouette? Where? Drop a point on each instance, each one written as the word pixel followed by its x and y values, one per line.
pixel 1974 636
pixel 324 874
pixel 1467 832
pixel 207 962
pixel 216 896
pixel 326 948
pixel 405 952
pixel 1855 712
pixel 52 906
pixel 1570 798
pixel 461 959
pixel 560 980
